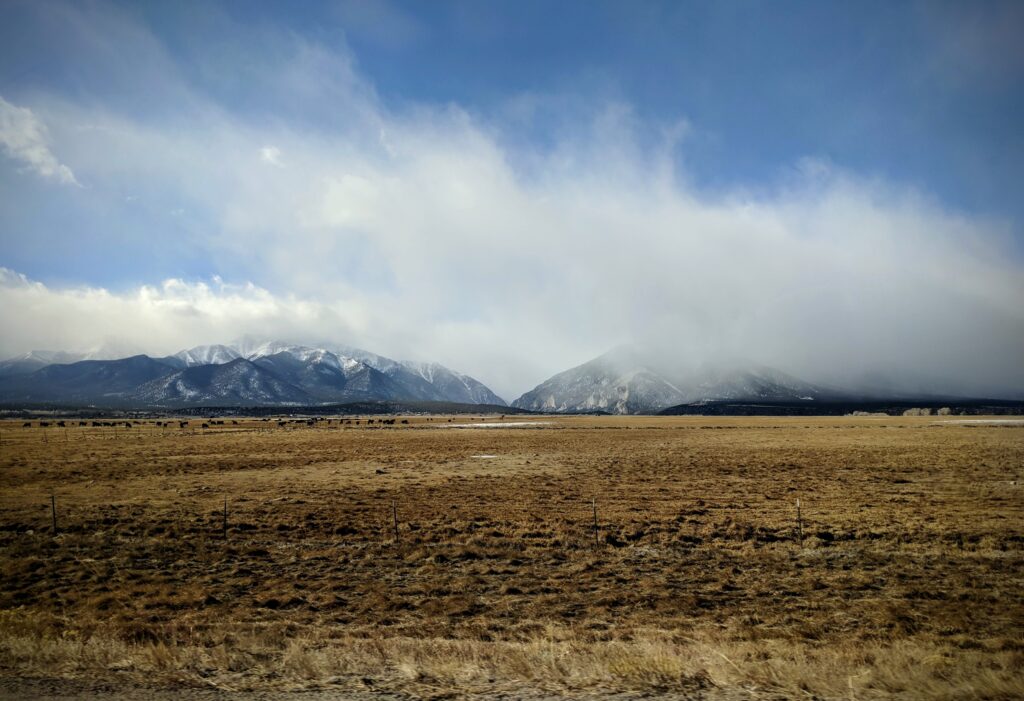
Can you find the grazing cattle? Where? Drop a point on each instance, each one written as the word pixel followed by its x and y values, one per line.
pixel 127 424
pixel 405 421
pixel 61 424
pixel 183 424
pixel 81 423
pixel 233 422
pixel 44 424
pixel 206 425
pixel 27 424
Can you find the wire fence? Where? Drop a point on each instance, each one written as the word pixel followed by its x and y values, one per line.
pixel 570 520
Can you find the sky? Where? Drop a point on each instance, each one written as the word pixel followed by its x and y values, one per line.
pixel 512 188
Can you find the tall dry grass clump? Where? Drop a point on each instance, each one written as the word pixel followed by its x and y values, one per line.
pixel 239 657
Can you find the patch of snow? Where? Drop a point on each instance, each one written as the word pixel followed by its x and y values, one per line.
pixel 206 355
pixel 994 422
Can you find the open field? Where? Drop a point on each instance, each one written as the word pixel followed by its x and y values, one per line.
pixel 909 580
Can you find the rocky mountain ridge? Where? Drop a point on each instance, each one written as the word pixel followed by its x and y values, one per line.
pixel 257 374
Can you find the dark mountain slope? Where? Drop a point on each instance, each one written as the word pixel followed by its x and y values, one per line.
pixel 238 383
pixel 87 381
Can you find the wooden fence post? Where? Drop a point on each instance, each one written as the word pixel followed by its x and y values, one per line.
pixel 799 524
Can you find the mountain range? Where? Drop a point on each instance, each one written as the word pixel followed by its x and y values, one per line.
pixel 276 373
pixel 243 374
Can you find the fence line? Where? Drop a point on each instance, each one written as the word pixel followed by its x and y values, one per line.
pixel 574 519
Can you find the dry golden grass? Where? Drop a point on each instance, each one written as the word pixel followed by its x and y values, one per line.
pixel 908 581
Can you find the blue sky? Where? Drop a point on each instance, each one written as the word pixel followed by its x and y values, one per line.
pixel 381 162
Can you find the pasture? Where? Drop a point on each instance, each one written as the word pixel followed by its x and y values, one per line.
pixel 563 555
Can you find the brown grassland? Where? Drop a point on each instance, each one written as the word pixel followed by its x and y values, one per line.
pixel 909 581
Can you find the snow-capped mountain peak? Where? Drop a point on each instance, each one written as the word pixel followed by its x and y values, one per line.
pixel 268 348
pixel 247 372
pixel 207 355
pixel 414 380
pixel 625 381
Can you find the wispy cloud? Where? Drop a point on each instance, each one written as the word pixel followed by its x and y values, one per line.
pixel 271 155
pixel 24 138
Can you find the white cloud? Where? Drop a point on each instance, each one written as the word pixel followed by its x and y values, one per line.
pixel 24 138
pixel 446 254
pixel 271 155
pixel 159 319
